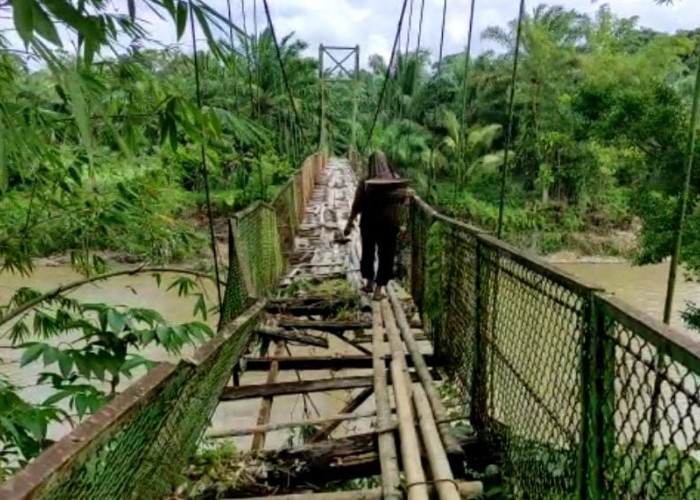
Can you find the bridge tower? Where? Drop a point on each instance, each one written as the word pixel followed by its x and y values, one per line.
pixel 338 65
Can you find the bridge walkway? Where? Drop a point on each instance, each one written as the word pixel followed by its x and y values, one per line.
pixel 338 387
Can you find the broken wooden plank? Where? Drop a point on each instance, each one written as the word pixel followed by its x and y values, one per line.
pixel 312 363
pixel 328 325
pixel 296 387
pixel 321 307
pixel 341 459
pixel 291 335
pixel 349 407
pixel 339 418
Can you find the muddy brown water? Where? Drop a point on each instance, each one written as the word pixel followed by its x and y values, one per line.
pixel 643 287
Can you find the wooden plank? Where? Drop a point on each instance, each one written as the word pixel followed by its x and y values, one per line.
pixel 339 418
pixel 370 494
pixel 314 363
pixel 387 445
pixel 292 336
pixel 424 374
pixel 296 387
pixel 349 407
pixel 332 325
pixel 329 325
pixel 266 404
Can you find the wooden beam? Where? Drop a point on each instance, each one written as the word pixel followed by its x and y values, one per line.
pixel 339 418
pixel 277 333
pixel 349 407
pixel 330 325
pixel 266 404
pixel 370 494
pixel 307 306
pixel 296 387
pixel 319 362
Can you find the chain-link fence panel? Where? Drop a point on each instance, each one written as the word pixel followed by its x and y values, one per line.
pixel 644 412
pixel 576 394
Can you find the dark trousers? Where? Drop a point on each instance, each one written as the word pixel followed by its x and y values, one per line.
pixel 382 242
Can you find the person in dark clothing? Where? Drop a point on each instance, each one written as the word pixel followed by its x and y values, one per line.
pixel 378 199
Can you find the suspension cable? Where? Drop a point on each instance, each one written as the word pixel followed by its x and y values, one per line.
pixel 408 32
pixel 281 62
pixel 205 170
pixel 467 62
pixel 442 33
pixel 386 75
pixel 463 114
pixel 420 25
pixel 511 104
pixel 253 108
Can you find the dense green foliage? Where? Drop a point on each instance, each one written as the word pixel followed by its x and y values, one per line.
pixel 600 133
pixel 105 147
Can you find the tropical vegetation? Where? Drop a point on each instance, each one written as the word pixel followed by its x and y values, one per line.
pixel 115 146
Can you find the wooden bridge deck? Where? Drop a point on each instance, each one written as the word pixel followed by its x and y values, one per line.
pixel 346 387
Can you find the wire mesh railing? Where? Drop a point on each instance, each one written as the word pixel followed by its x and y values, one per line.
pixel 576 394
pixel 138 445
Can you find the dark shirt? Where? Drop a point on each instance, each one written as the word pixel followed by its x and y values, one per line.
pixel 379 204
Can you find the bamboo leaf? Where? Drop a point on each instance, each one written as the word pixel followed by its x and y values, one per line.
pixel 181 18
pixel 23 16
pixel 44 25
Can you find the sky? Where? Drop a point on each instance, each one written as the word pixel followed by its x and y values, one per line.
pixel 372 23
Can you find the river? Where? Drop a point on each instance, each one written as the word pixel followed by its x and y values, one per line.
pixel 643 287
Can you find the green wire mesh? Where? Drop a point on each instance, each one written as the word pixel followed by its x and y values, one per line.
pixel 139 444
pixel 576 395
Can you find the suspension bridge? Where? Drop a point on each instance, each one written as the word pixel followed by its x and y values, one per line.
pixel 485 371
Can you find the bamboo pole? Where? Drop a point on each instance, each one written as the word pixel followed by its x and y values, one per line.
pixel 266 404
pixel 439 465
pixel 467 490
pixel 426 379
pixel 410 446
pixel 387 445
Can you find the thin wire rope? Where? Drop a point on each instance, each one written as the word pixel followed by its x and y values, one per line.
pixel 408 32
pixel 253 108
pixel 463 114
pixel 281 63
pixel 420 26
pixel 511 106
pixel 442 33
pixel 256 51
pixel 386 76
pixel 205 170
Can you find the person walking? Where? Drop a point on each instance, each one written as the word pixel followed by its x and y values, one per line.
pixel 378 200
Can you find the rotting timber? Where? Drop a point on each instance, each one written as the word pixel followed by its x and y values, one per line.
pixel 319 337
